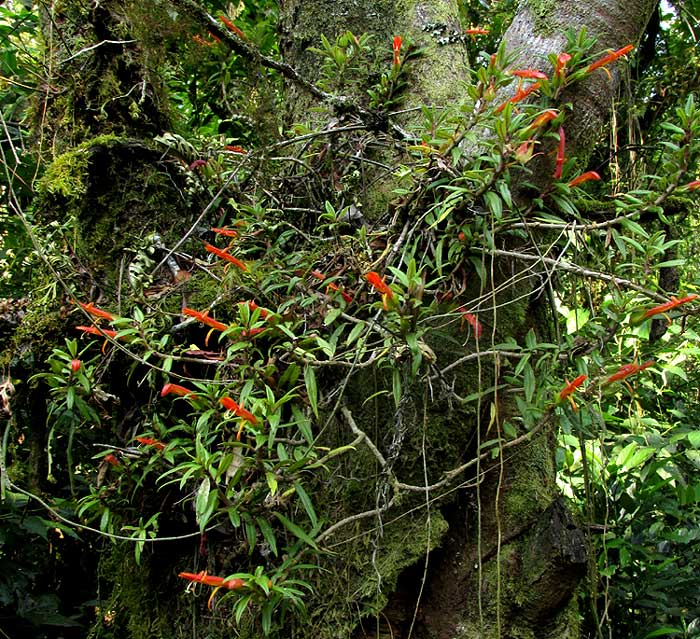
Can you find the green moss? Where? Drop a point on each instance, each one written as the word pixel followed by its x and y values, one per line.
pixel 542 12
pixel 118 192
pixel 65 176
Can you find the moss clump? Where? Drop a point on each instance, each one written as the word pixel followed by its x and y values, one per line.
pixel 118 190
pixel 542 12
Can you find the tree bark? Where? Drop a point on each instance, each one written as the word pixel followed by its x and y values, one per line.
pixel 504 559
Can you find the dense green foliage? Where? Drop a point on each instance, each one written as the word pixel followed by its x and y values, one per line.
pixel 226 424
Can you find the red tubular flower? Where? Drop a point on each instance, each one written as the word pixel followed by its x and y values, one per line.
pixel 571 387
pixel 610 57
pixel 96 312
pixel 542 119
pixel 520 94
pixel 225 256
pixel 149 441
pixel 254 307
pixel 562 61
pixel 238 410
pixel 626 370
pixel 692 186
pixel 472 320
pixel 379 284
pixel 226 232
pixel 196 164
pixel 334 287
pixel 525 151
pixel 560 154
pixel 235 148
pixel 475 31
pixel 584 177
pixel 662 308
pixel 232 27
pixel 100 332
pixel 531 74
pixel 211 580
pixel 75 365
pixel 204 318
pixel 318 275
pixel 112 460
pixel 398 41
pixel 175 389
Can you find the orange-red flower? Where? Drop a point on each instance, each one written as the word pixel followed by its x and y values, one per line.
pixel 571 387
pixel 473 321
pixel 75 365
pixel 562 61
pixel 254 307
pixel 520 94
pixel 175 389
pixel 232 27
pixel 149 441
pixel 238 410
pixel 662 308
pixel 543 118
pixel 560 154
pixel 334 287
pixel 584 177
pixel 235 148
pixel 201 41
pixel 693 186
pixel 610 57
pixel 475 31
pixel 318 275
pixel 100 332
pixel 96 312
pixel 224 255
pixel 112 460
pixel 211 580
pixel 626 370
pixel 379 284
pixel 532 74
pixel 226 232
pixel 204 318
pixel 398 41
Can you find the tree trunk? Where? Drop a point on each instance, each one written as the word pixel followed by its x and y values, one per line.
pixel 502 557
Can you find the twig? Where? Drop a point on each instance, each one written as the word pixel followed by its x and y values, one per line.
pixel 578 270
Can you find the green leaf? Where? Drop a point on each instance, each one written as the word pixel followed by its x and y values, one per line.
pixel 331 316
pixel 267 533
pixel 494 204
pixel 530 382
pixel 271 482
pixel 396 386
pixel 306 502
pixel 296 530
pixel 694 438
pixel 311 388
pixel 663 632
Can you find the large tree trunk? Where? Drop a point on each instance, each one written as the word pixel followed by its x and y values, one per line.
pixel 501 557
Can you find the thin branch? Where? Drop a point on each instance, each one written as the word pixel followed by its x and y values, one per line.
pixel 244 49
pixel 95 46
pixel 578 270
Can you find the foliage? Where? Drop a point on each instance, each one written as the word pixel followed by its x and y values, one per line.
pixel 223 423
